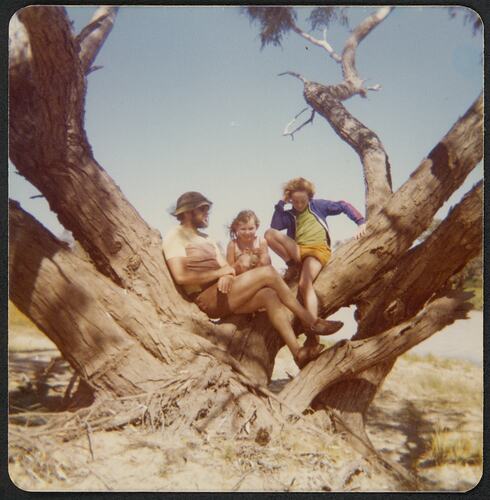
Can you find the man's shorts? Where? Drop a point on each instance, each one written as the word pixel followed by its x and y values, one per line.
pixel 321 252
pixel 212 302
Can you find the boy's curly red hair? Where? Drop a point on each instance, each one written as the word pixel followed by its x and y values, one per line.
pixel 298 184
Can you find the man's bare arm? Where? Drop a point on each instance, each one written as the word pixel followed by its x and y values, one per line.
pixel 184 276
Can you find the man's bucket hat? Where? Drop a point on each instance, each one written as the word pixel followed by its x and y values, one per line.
pixel 190 201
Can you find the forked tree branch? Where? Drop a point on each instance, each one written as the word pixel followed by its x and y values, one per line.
pixel 287 132
pixel 424 269
pixel 405 215
pixel 347 358
pixel 349 69
pixel 352 83
pixel 319 43
pixel 93 36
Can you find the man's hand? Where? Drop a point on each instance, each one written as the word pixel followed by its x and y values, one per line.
pixel 227 270
pixel 225 283
pixel 361 231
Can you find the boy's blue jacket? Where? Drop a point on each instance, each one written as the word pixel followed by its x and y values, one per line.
pixel 286 219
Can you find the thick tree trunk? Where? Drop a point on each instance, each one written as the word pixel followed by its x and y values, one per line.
pixel 119 344
pixel 117 316
pixel 88 203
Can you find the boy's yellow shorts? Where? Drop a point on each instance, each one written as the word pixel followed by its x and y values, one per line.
pixel 321 252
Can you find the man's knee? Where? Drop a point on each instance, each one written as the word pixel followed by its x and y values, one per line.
pixel 268 296
pixel 270 275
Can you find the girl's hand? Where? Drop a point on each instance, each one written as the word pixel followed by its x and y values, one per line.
pixel 225 283
pixel 361 231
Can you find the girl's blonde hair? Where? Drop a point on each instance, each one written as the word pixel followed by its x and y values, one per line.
pixel 243 216
pixel 298 184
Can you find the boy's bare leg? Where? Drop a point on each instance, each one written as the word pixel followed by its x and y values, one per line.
pixel 310 270
pixel 246 285
pixel 267 298
pixel 283 245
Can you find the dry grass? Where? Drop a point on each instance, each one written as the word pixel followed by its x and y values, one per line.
pixel 17 318
pixel 449 388
pixel 448 447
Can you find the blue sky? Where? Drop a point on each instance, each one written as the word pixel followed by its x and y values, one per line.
pixel 186 100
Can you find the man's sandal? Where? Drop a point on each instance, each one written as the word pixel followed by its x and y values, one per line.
pixel 325 327
pixel 307 354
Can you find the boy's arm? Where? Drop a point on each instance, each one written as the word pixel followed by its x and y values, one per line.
pixel 329 207
pixel 278 220
pixel 183 276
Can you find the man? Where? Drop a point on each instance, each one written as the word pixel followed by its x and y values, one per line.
pixel 197 264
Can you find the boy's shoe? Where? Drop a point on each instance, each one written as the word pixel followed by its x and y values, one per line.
pixel 307 354
pixel 325 327
pixel 292 273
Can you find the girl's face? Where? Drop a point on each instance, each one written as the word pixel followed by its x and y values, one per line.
pixel 299 200
pixel 245 231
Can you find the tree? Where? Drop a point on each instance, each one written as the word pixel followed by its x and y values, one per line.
pixel 113 309
pixel 400 288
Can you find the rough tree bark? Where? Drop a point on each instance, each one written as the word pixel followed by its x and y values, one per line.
pixel 117 317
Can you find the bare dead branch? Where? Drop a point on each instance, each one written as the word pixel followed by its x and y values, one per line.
pixel 93 68
pixel 319 43
pixel 310 120
pixel 92 37
pixel 296 75
pixel 349 69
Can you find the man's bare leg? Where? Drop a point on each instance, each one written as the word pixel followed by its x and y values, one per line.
pixel 267 298
pixel 246 285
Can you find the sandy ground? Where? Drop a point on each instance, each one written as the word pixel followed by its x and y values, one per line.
pixel 423 397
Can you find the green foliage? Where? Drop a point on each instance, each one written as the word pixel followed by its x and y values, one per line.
pixel 274 22
pixel 322 17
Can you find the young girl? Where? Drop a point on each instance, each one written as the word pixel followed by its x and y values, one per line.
pixel 246 250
